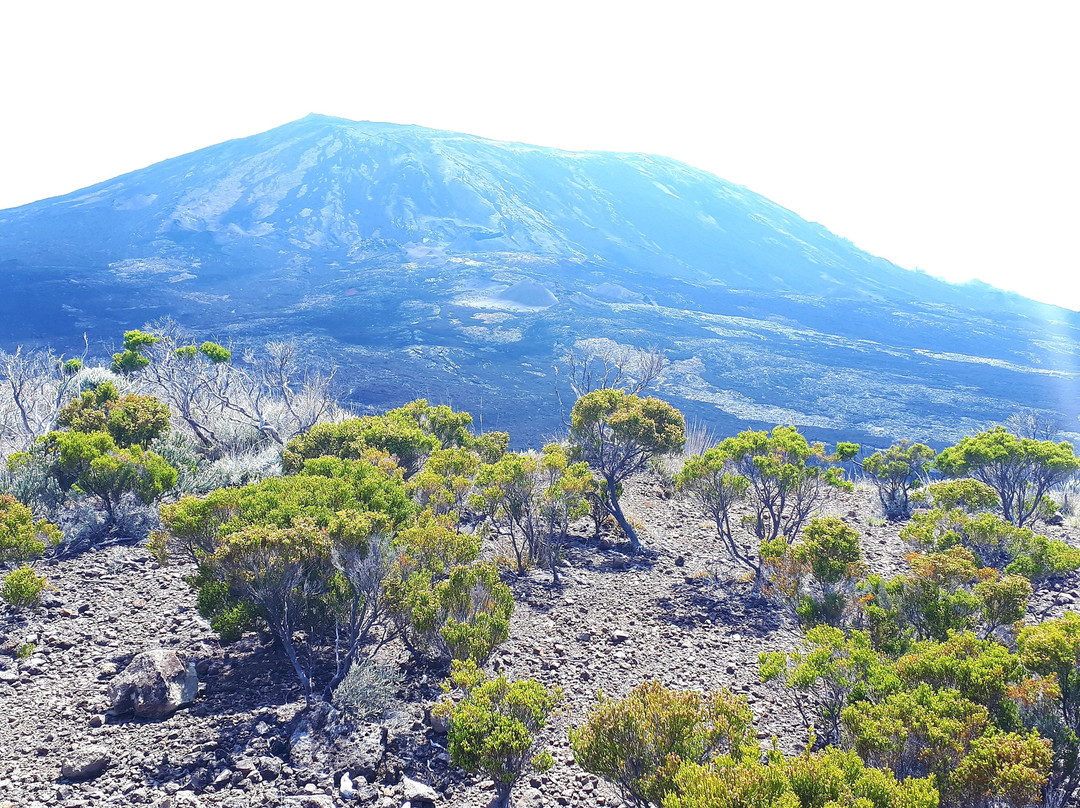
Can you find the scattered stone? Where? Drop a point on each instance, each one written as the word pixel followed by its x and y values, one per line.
pixel 345 787
pixel 269 767
pixel 415 791
pixel 309 801
pixel 181 799
pixel 85 763
pixel 155 685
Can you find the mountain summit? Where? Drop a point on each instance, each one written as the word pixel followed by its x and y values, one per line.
pixel 441 264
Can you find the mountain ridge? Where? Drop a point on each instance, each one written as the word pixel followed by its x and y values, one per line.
pixel 383 240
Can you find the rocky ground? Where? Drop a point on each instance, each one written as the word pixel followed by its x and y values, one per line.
pixel 677 612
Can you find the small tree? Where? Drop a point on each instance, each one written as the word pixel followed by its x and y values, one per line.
pixel 531 498
pixel 711 480
pixel 493 728
pixel 825 672
pixel 787 475
pixel 618 434
pixel 895 473
pixel 1021 470
pixel 1052 650
pixel 131 359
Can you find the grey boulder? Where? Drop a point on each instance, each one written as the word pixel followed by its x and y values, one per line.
pixel 82 764
pixel 155 685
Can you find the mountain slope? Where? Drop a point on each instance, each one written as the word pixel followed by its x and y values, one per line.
pixel 453 266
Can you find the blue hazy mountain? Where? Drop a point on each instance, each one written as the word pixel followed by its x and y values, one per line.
pixel 432 263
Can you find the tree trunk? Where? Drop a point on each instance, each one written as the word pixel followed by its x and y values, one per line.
pixel 616 511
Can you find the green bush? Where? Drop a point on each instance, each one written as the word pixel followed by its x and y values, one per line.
pixel 131 359
pixel 995 542
pixel 618 434
pixel 828 779
pixel 493 727
pixel 830 669
pixel 409 433
pixel 1021 470
pixel 22 587
pixel 941 594
pixel 816 577
pixel 21 537
pixel 939 733
pixel 966 494
pixel 466 615
pixel 634 742
pixel 530 499
pixel 896 473
pixel 787 477
pixel 130 420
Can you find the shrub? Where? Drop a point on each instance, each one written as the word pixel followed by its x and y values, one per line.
pixel 634 742
pixel 895 473
pixel 531 499
pixel 1020 470
pixel 409 433
pixel 822 780
pixel 22 587
pixel 938 596
pixel 712 480
pixel 493 728
pixel 464 616
pixel 822 676
pixel 618 434
pixel 131 359
pixel 368 689
pixel 966 494
pixel 995 542
pixel 787 478
pixel 816 577
pixel 941 734
pixel 21 537
pixel 130 420
pixel 982 671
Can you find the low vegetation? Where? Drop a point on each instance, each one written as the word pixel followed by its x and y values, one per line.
pixel 342 536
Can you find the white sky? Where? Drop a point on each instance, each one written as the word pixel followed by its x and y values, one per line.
pixel 940 135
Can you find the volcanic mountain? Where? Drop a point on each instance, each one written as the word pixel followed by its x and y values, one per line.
pixel 436 264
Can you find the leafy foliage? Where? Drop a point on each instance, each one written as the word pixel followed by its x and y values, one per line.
pixel 713 481
pixel 1020 470
pixel 493 727
pixel 830 669
pixel 530 498
pixel 994 541
pixel 787 478
pixel 637 742
pixel 21 537
pixel 618 434
pixel 22 587
pixel 131 359
pixel 827 779
pixel 895 473
pixel 816 577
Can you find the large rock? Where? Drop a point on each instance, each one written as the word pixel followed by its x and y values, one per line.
pixel 155 685
pixel 84 763
pixel 415 791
